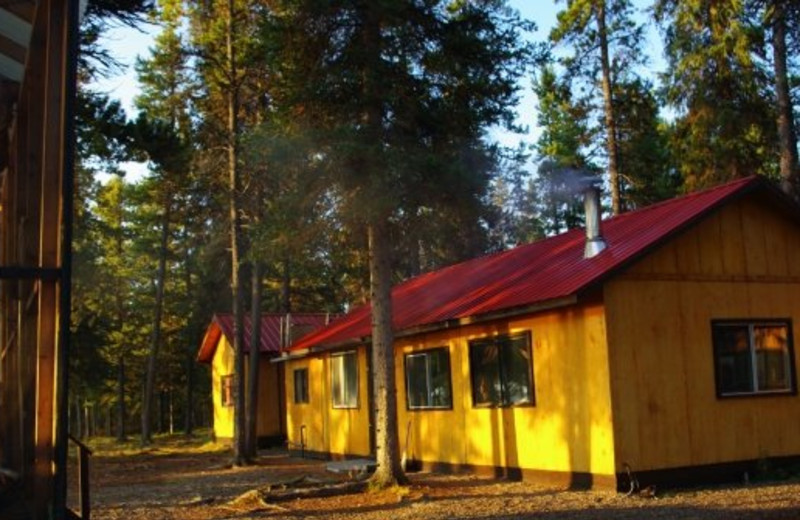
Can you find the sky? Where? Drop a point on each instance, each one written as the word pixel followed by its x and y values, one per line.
pixel 126 44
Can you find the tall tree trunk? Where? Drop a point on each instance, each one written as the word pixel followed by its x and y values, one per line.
pixel 239 426
pixel 286 286
pixel 155 340
pixel 121 437
pixel 790 171
pixel 608 109
pixel 160 412
pixel 78 422
pixel 171 413
pixel 387 446
pixel 389 470
pixel 254 363
pixel 188 418
pixel 120 326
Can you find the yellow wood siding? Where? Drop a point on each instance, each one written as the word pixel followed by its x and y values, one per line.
pixel 741 262
pixel 331 430
pixel 268 422
pixel 568 430
pixel 221 365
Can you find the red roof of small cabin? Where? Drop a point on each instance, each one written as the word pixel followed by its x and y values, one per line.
pixel 270 331
pixel 530 276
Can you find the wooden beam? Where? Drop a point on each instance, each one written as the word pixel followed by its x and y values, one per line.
pixel 29 273
pixel 49 232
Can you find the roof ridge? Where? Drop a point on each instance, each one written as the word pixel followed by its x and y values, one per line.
pixel 686 196
pixel 539 242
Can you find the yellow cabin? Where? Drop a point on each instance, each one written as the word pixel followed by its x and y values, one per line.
pixel 277 330
pixel 659 342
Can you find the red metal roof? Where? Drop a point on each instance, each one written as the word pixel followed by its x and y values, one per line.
pixel 530 274
pixel 302 323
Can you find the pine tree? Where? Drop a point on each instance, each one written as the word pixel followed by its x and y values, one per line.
pixel 783 21
pixel 398 92
pixel 725 124
pixel 224 37
pixel 604 41
pixel 643 144
pixel 163 130
pixel 562 149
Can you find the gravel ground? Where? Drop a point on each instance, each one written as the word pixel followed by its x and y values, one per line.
pixel 202 486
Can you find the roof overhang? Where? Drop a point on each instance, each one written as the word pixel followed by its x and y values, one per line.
pixel 210 341
pixel 16 28
pixel 556 303
pixel 17 18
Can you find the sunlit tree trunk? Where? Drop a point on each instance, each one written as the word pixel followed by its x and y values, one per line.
pixel 121 398
pixel 234 179
pixel 387 446
pixel 608 109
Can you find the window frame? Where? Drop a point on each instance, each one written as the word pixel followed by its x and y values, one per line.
pixel 751 323
pixel 501 371
pixel 304 397
pixel 334 405
pixel 226 382
pixel 427 352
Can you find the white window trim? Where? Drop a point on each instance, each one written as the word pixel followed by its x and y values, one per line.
pixel 342 381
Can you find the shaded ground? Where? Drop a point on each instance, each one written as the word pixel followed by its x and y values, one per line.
pixel 184 480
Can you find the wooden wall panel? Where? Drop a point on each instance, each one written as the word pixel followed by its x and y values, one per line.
pixel 221 365
pixel 568 430
pixel 328 430
pixel 664 399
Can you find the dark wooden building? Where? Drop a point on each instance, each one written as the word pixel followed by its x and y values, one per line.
pixel 38 52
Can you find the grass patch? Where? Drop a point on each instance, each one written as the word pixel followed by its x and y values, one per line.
pixel 163 444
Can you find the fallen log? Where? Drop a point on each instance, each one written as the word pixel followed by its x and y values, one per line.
pixel 330 490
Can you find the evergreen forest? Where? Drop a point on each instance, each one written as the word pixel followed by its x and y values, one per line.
pixel 305 155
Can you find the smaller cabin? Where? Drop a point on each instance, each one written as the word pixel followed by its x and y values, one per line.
pixel 277 331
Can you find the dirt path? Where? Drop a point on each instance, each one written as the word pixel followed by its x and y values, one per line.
pixel 183 485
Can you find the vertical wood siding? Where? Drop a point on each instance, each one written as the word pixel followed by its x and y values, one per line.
pixel 567 430
pixel 336 431
pixel 741 262
pixel 268 422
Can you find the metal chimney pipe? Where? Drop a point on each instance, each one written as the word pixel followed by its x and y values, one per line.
pixel 595 243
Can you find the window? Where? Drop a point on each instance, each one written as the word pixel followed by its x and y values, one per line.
pixel 301 385
pixel 501 371
pixel 226 390
pixel 753 357
pixel 428 379
pixel 344 380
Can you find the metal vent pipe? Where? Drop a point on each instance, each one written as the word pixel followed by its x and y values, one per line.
pixel 595 243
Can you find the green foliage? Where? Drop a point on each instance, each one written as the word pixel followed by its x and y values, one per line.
pixel 577 31
pixel 101 15
pixel 715 82
pixel 443 73
pixel 643 140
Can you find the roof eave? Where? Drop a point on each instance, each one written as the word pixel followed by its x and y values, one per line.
pixel 760 184
pixel 551 304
